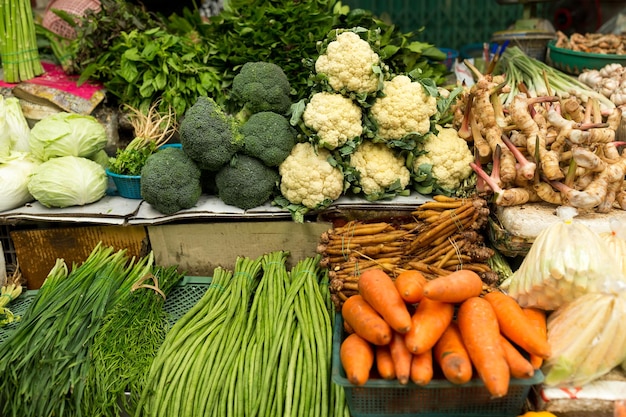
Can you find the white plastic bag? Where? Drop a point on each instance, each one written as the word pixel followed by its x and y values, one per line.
pixel 567 260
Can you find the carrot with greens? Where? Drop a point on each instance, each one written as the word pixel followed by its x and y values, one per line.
pixel 516 326
pixel 538 317
pixel 520 366
pixel 384 362
pixel 410 285
pixel 401 358
pixel 430 320
pixel 378 289
pixel 357 358
pixel 422 368
pixel 365 321
pixel 455 287
pixel 451 355
pixel 479 329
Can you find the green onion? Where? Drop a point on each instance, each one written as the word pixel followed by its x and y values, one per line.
pixel 541 79
pixel 18 41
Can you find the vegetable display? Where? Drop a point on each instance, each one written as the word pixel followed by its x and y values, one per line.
pixel 455 343
pixel 609 80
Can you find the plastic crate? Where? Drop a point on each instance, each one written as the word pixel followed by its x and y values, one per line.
pixel 179 301
pixel 379 398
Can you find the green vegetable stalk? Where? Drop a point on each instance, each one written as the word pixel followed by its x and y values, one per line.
pixel 18 41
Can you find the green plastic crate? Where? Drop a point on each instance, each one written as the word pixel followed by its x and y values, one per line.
pixel 180 300
pixel 381 398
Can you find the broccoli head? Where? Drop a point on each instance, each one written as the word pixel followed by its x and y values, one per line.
pixel 246 182
pixel 209 135
pixel 269 137
pixel 170 181
pixel 261 86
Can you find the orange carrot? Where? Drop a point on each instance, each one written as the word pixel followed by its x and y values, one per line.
pixel 481 335
pixel 430 320
pixel 455 287
pixel 410 285
pixel 520 366
pixel 401 358
pixel 538 317
pixel 452 357
pixel 422 368
pixel 516 326
pixel 384 362
pixel 365 321
pixel 378 289
pixel 357 358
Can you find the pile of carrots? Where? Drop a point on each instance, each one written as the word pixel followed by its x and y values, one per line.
pixel 404 329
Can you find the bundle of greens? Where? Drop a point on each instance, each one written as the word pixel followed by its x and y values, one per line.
pixel 126 343
pixel 45 363
pixel 151 130
pixel 18 41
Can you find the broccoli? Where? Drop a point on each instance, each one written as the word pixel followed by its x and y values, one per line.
pixel 209 135
pixel 246 182
pixel 170 181
pixel 269 137
pixel 261 86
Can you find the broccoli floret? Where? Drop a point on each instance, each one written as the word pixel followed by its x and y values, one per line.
pixel 209 135
pixel 246 182
pixel 170 181
pixel 269 137
pixel 261 86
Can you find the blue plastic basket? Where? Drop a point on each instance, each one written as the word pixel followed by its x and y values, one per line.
pixel 440 398
pixel 128 186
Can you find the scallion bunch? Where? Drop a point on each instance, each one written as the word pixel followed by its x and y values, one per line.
pixel 18 41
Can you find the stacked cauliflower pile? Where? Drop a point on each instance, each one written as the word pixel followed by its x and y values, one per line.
pixel 371 132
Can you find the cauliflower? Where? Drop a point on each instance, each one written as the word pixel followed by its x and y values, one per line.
pixel 445 162
pixel 335 118
pixel 349 64
pixel 381 172
pixel 307 178
pixel 404 108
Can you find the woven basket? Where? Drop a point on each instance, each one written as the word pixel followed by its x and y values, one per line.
pixel 55 24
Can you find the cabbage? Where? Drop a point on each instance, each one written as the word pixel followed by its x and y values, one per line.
pixel 68 181
pixel 67 134
pixel 14 176
pixel 14 129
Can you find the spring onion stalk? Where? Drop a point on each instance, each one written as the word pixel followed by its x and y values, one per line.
pixel 541 79
pixel 18 41
pixel 46 361
pixel 8 293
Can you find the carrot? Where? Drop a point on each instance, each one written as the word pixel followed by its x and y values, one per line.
pixel 401 358
pixel 455 287
pixel 384 362
pixel 422 368
pixel 479 329
pixel 520 366
pixel 410 285
pixel 365 321
pixel 378 289
pixel 430 320
pixel 516 325
pixel 538 317
pixel 357 358
pixel 452 357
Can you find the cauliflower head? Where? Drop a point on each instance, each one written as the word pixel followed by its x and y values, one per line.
pixel 349 64
pixel 448 154
pixel 335 118
pixel 379 168
pixel 404 108
pixel 308 178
